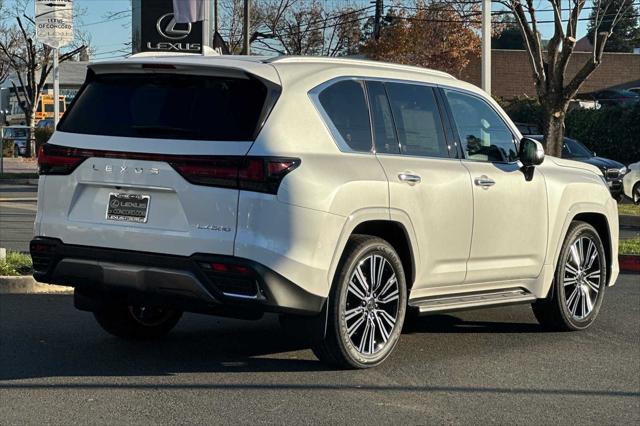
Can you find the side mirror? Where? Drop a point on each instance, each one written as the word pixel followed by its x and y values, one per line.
pixel 531 152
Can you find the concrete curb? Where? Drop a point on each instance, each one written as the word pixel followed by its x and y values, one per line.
pixel 19 181
pixel 27 285
pixel 629 263
pixel 631 221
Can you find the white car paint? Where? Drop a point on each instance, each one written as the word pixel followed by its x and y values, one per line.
pixel 463 238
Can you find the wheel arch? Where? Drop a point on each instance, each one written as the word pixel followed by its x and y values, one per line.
pixel 377 222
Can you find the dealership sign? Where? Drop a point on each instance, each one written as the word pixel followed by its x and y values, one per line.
pixel 155 29
pixel 54 22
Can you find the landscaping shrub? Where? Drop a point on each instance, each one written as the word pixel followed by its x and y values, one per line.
pixel 7 148
pixel 16 264
pixel 42 136
pixel 612 132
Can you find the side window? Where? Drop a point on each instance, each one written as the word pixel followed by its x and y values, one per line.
pixel 417 120
pixel 346 105
pixel 384 133
pixel 483 134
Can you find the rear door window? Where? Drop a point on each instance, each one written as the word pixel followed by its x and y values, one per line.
pixel 345 104
pixel 168 106
pixel 417 119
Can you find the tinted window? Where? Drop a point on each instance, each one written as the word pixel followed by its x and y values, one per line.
pixel 168 106
pixel 417 120
pixel 384 133
pixel 483 133
pixel 345 104
pixel 574 149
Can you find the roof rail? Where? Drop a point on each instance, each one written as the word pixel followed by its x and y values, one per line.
pixel 351 61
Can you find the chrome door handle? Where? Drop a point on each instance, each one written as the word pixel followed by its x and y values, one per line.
pixel 409 178
pixel 484 181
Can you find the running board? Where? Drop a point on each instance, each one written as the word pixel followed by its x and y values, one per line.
pixel 469 301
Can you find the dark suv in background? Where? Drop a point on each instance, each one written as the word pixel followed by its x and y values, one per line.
pixel 612 170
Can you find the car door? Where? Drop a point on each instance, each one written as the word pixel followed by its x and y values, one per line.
pixel 510 212
pixel 427 184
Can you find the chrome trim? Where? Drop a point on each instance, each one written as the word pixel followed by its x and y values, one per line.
pixel 454 302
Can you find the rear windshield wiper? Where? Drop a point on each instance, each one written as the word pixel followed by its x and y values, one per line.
pixel 160 130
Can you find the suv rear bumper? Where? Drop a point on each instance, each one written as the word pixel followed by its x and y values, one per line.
pixel 221 285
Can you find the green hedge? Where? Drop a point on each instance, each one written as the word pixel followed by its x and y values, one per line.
pixel 612 132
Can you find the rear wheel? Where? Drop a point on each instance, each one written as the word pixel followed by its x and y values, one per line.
pixel 366 307
pixel 579 284
pixel 137 322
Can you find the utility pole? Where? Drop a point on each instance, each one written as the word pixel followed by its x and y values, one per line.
pixel 247 20
pixel 215 17
pixel 486 46
pixel 377 22
pixel 206 26
pixel 56 87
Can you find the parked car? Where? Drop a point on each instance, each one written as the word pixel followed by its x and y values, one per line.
pixel 528 128
pixel 338 193
pixel 18 135
pixel 631 183
pixel 613 97
pixel 46 123
pixel 612 170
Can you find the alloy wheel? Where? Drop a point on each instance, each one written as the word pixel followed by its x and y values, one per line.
pixel 582 278
pixel 372 304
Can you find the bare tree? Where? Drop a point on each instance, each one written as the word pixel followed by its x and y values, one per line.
pixel 295 27
pixel 30 64
pixel 549 66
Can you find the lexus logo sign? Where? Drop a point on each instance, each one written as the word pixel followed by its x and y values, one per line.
pixel 155 29
pixel 166 27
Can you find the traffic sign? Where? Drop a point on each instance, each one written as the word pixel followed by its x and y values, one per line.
pixel 54 22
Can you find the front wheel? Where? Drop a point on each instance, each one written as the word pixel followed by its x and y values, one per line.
pixel 366 306
pixel 636 194
pixel 137 322
pixel 579 283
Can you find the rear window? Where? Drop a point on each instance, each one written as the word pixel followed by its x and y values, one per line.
pixel 168 106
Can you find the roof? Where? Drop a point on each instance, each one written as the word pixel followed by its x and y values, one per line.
pixel 211 59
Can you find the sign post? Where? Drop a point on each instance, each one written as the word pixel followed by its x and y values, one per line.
pixel 54 27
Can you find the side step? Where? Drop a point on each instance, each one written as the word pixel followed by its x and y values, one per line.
pixel 469 301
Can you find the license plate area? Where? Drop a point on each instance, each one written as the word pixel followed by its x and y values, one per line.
pixel 124 207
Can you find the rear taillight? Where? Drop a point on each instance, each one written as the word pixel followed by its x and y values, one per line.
pixel 259 174
pixel 59 160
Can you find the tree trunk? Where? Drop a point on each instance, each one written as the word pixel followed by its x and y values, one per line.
pixel 31 141
pixel 554 130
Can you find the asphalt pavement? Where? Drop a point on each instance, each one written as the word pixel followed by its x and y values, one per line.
pixel 487 366
pixel 17 213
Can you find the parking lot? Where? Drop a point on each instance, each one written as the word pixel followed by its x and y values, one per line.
pixel 487 366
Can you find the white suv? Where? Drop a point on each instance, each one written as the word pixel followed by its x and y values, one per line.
pixel 342 194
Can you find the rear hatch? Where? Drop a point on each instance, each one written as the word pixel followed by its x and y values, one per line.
pixel 150 156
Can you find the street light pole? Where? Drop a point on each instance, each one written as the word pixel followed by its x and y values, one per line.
pixel 247 20
pixel 56 88
pixel 486 46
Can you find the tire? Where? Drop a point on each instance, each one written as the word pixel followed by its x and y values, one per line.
pixel 578 289
pixel 635 193
pixel 137 322
pixel 367 335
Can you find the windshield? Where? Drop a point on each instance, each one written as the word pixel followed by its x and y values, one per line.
pixel 574 149
pixel 168 106
pixel 15 133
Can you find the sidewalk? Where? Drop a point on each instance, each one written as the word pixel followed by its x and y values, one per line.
pixel 20 165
